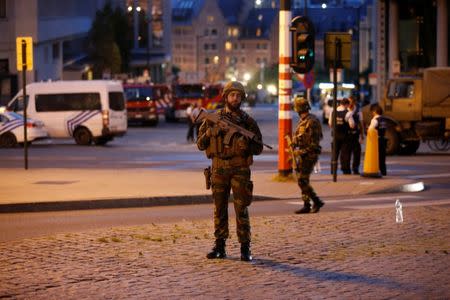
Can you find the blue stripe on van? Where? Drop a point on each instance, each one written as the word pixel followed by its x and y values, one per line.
pixel 11 125
pixel 79 119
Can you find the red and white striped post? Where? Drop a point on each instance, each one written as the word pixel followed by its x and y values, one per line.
pixel 284 88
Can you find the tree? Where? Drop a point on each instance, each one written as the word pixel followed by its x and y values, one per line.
pixel 109 41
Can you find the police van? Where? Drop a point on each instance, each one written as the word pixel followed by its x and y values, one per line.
pixel 88 111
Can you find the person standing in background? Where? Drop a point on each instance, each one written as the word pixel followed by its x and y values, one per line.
pixel 344 123
pixel 356 135
pixel 190 122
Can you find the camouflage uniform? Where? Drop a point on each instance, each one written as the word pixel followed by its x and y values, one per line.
pixel 307 136
pixel 230 171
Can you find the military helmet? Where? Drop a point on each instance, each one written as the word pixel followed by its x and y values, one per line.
pixel 301 105
pixel 233 86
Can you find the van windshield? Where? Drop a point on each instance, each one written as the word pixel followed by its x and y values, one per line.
pixel 189 91
pixel 116 101
pixel 138 93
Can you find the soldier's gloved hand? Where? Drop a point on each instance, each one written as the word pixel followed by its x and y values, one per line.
pixel 242 143
pixel 300 152
pixel 214 131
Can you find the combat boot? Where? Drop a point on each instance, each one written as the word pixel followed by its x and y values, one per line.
pixel 246 254
pixel 305 209
pixel 218 251
pixel 317 204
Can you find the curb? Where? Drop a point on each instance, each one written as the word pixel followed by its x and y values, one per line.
pixel 112 203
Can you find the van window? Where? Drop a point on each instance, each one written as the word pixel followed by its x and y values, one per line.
pixel 68 102
pixel 17 105
pixel 116 101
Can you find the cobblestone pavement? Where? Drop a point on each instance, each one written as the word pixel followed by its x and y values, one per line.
pixel 341 255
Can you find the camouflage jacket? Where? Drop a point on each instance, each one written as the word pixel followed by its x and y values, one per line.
pixel 307 135
pixel 239 146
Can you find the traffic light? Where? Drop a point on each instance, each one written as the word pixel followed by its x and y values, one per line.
pixel 302 38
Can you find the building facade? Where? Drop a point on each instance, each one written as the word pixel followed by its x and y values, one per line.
pixel 150 22
pixel 58 29
pixel 214 41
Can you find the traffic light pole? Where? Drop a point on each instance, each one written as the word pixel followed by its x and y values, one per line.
pixel 24 81
pixel 284 89
pixel 337 58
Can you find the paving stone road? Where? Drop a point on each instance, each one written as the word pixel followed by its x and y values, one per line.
pixel 360 254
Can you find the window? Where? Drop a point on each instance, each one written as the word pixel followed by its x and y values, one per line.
pixel 213 31
pixel 4 66
pixel 206 60
pixel 116 101
pixel 228 46
pixel 213 47
pixel 206 46
pixel 55 51
pixel 18 104
pixel 2 9
pixel 68 102
pixel 210 19
pixel 258 32
pixel 402 89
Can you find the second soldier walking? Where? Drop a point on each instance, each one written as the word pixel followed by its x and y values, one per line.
pixel 306 144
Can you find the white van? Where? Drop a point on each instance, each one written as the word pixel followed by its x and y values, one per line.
pixel 88 111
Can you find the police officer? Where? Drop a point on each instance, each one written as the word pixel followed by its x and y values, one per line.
pixel 356 135
pixel 378 122
pixel 306 141
pixel 344 123
pixel 231 170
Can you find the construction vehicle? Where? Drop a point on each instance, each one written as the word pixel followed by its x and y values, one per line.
pixel 417 109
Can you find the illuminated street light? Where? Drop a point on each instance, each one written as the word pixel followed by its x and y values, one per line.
pixel 259 86
pixel 247 76
pixel 272 89
pixel 138 8
pixel 130 8
pixel 324 5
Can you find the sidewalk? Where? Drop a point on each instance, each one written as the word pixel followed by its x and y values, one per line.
pixel 63 189
pixel 329 255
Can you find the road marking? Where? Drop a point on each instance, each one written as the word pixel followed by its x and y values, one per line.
pixel 429 176
pixel 366 199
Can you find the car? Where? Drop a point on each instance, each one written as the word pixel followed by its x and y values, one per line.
pixel 12 133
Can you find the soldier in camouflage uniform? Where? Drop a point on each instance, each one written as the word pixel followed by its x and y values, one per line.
pixel 306 141
pixel 230 170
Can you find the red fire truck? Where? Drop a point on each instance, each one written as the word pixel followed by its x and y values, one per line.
pixel 144 102
pixel 213 96
pixel 184 94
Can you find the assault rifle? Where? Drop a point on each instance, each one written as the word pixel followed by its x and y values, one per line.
pixel 291 151
pixel 229 127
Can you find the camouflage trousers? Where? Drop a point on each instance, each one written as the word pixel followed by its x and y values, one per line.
pixel 306 167
pixel 224 180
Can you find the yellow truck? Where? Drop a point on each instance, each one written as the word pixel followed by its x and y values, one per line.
pixel 417 109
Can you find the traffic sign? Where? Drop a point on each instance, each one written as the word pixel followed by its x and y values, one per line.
pixel 24 60
pixel 343 55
